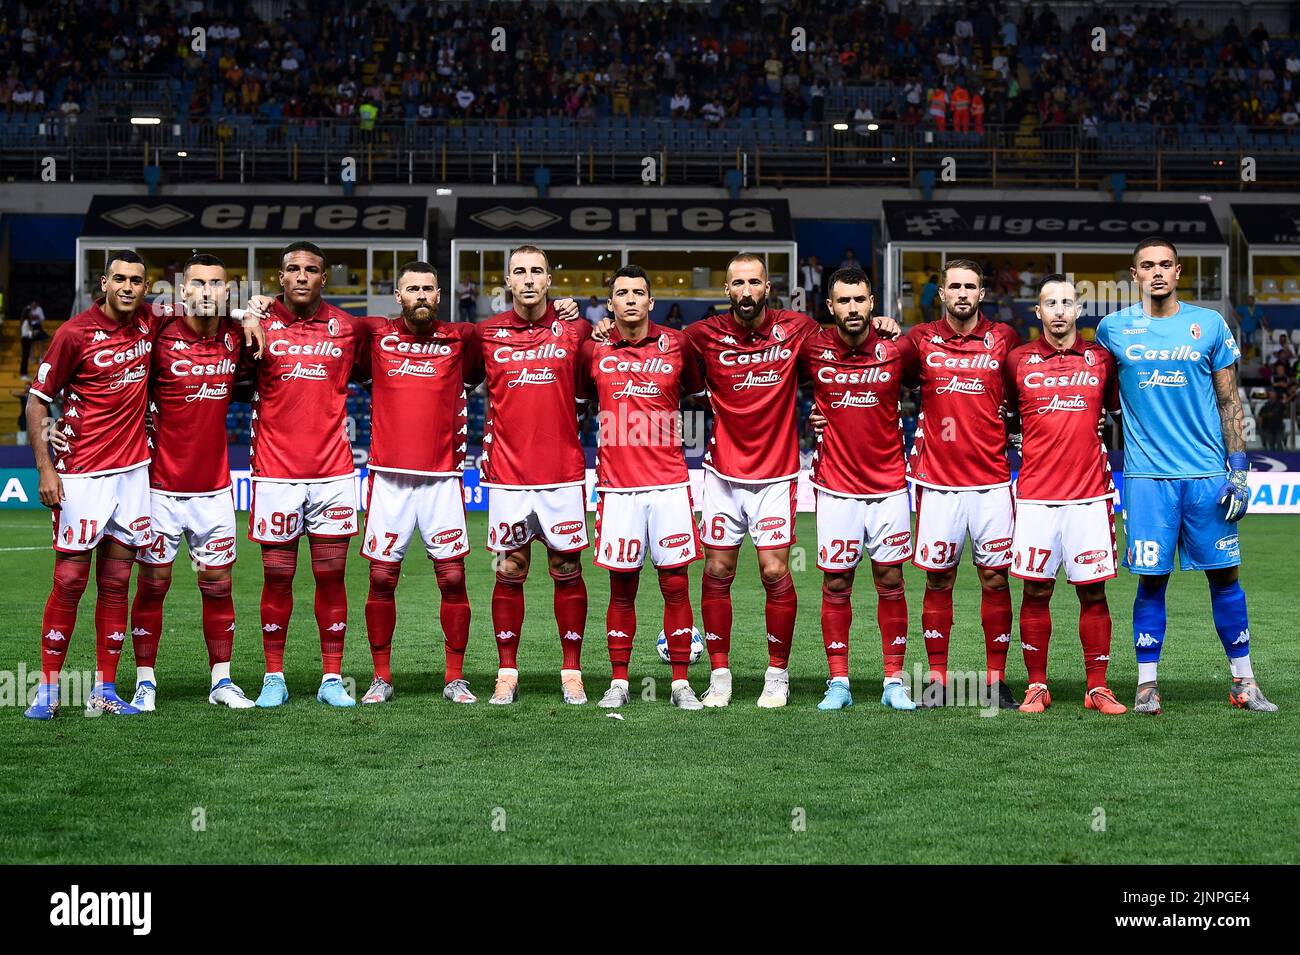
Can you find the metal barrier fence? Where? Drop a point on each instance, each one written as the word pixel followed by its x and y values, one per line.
pixel 766 153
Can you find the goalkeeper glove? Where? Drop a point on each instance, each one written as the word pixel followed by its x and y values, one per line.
pixel 1234 492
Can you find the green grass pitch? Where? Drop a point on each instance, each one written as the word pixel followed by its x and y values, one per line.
pixel 421 780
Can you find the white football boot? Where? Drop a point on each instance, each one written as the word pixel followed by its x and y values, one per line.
pixel 719 691
pixel 776 689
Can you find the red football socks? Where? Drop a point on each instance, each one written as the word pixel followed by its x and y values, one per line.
pixel 936 622
pixel 328 565
pixel 278 567
pixel 60 617
pixel 147 617
pixel 679 623
pixel 1094 634
pixel 891 616
pixel 837 618
pixel 218 619
pixel 570 616
pixel 780 612
pixel 453 614
pixel 1035 635
pixel 715 611
pixel 381 615
pixel 620 620
pixel 113 580
pixel 508 617
pixel 995 616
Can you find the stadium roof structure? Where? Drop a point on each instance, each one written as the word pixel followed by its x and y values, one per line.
pixel 1052 231
pixel 1271 230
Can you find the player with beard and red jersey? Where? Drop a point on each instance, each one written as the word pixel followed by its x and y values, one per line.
pixel 860 473
pixel 97 482
pixel 750 356
pixel 638 377
pixel 197 358
pixel 533 464
pixel 419 368
pixel 959 466
pixel 303 476
pixel 1062 387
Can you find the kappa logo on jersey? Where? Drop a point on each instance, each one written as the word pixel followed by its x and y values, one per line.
pixel 572 635
pixel 837 645
pixel 828 355
pixel 898 642
pixel 277 325
pixel 179 345
pixel 675 540
pixel 728 340
pixel 1091 556
pixel 505 635
pixel 933 635
pixel 56 636
pixel 1002 638
pixel 501 333
pixel 99 336
pixel 1034 359
pixel 1145 640
pixel 448 536
pixel 1028 646
pixel 567 527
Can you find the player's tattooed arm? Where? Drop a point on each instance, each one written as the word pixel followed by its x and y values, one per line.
pixel 39 428
pixel 1231 415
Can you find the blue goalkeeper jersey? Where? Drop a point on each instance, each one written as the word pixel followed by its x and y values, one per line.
pixel 1166 389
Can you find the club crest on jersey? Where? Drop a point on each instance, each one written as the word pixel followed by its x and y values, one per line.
pixel 555 328
pixel 663 343
pixel 1087 356
pixel 229 342
pixel 144 329
pixel 778 333
pixel 880 351
pixel 1196 330
pixel 988 340
pixel 333 327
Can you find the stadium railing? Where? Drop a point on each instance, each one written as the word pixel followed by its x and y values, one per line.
pixel 612 151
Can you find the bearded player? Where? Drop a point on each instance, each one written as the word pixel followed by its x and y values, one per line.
pixel 533 463
pixel 959 466
pixel 195 363
pixel 303 479
pixel 419 368
pixel 1061 387
pixel 1184 464
pixel 860 474
pixel 639 376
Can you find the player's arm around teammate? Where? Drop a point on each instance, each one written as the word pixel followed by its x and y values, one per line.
pixel 644 499
pixel 860 480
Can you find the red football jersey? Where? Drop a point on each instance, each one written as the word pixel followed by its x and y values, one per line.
pixel 104 368
pixel 190 383
pixel 299 429
pixel 418 421
pixel 961 436
pixel 530 435
pixel 752 378
pixel 639 386
pixel 860 452
pixel 1062 397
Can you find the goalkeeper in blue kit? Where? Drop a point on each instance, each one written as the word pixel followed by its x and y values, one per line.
pixel 1184 464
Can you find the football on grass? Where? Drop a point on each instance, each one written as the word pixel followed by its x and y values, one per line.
pixel 697 645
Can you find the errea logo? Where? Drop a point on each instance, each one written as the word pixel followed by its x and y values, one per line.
pixel 77 908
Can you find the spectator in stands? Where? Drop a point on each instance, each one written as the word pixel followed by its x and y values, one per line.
pixel 1251 319
pixel 466 299
pixel 713 112
pixel 850 260
pixel 595 311
pixel 680 105
pixel 863 120
pixel 32 331
pixel 929 296
pixel 1281 379
pixel 1272 420
pixel 674 318
pixel 811 276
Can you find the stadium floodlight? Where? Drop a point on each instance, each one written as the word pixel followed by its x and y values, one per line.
pixel 181 154
pixel 146 121
pixel 840 127
pixel 442 192
pixel 872 127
